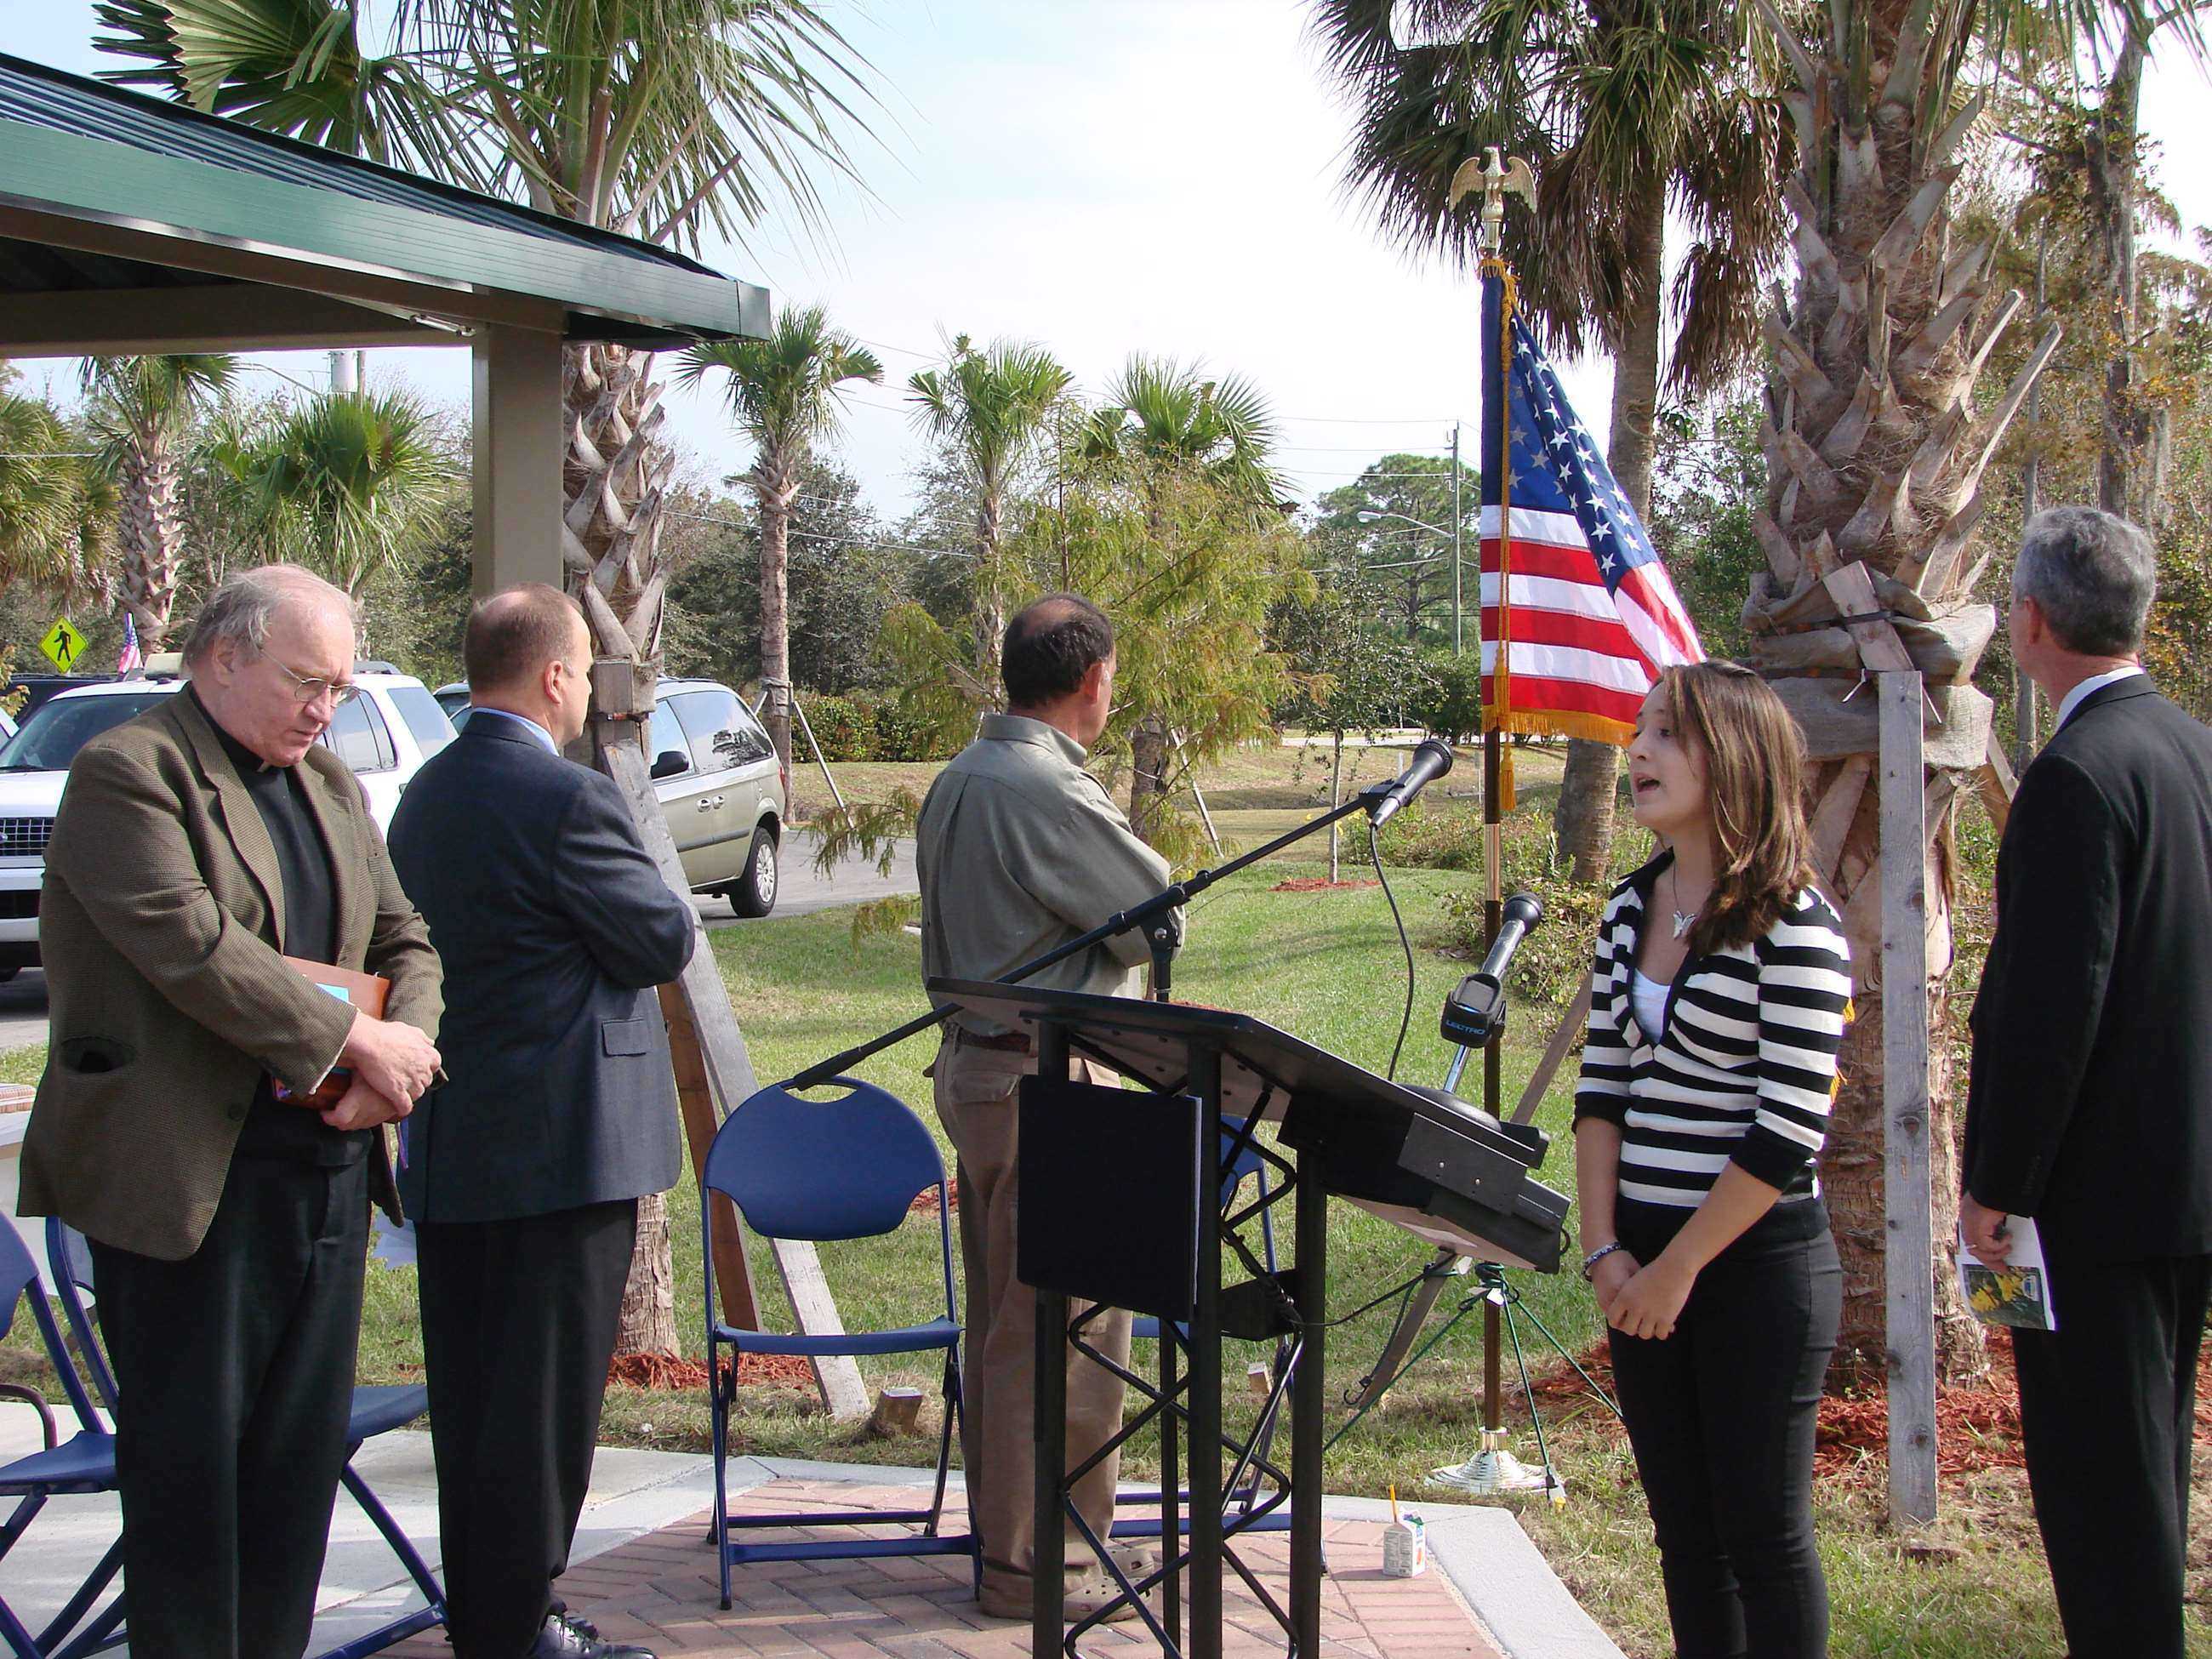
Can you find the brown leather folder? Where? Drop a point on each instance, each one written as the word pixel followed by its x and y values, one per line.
pixel 366 991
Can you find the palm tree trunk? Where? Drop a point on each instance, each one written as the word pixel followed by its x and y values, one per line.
pixel 616 478
pixel 990 588
pixel 2130 461
pixel 1583 823
pixel 775 484
pixel 1876 447
pixel 149 532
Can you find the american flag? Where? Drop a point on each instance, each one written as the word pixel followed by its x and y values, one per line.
pixel 1591 615
pixel 131 661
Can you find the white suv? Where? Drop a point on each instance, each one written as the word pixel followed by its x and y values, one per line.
pixel 384 735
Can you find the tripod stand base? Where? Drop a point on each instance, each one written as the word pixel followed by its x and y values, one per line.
pixel 1493 1470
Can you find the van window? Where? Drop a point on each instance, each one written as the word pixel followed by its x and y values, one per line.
pixel 666 738
pixel 426 720
pixel 358 735
pixel 722 734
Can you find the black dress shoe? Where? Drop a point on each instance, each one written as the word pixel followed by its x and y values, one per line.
pixel 567 1637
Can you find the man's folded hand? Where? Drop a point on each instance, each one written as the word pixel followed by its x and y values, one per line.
pixel 391 1056
pixel 362 1108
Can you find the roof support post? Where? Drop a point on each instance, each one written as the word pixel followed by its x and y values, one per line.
pixel 518 436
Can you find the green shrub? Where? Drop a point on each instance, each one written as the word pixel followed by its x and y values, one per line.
pixel 1448 696
pixel 846 730
pixel 861 728
pixel 1441 838
pixel 1555 957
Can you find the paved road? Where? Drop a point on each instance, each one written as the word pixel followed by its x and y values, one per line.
pixel 23 999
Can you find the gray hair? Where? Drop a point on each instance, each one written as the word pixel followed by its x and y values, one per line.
pixel 244 606
pixel 2092 574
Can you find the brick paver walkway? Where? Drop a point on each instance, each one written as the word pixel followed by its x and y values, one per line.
pixel 660 1590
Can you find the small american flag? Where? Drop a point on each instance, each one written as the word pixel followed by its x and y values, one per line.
pixel 1591 615
pixel 131 661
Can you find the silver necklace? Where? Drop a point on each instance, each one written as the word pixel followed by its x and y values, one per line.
pixel 1684 920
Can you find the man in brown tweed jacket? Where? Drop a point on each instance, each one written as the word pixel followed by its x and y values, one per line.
pixel 196 846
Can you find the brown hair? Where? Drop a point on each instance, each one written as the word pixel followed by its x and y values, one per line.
pixel 514 633
pixel 1754 761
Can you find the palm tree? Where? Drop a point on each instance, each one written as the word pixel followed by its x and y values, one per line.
pixel 142 409
pixel 1164 419
pixel 1624 110
pixel 43 493
pixel 657 118
pixel 350 483
pixel 1875 450
pixel 990 408
pixel 784 394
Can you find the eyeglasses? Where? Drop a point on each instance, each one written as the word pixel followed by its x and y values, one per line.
pixel 340 692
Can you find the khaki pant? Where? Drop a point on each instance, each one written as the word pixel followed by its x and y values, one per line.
pixel 978 1105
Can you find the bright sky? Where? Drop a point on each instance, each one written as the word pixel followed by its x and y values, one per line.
pixel 1101 177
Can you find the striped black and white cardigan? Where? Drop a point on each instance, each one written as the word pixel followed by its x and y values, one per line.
pixel 1746 1069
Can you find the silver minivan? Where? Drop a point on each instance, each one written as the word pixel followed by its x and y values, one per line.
pixel 724 794
pixel 716 773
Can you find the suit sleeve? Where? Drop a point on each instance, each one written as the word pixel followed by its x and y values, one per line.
pixel 2036 1023
pixel 118 815
pixel 604 881
pixel 399 944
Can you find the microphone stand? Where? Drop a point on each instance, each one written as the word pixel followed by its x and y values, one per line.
pixel 1161 940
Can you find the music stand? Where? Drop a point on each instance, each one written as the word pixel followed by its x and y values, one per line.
pixel 1453 1177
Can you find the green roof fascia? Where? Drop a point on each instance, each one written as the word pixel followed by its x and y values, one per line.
pixel 54 171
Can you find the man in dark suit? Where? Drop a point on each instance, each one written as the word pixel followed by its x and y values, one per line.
pixel 524 1171
pixel 2090 1104
pixel 198 845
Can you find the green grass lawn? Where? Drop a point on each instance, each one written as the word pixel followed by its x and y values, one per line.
pixel 1326 966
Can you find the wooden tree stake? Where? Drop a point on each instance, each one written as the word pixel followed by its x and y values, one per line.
pixel 1909 1256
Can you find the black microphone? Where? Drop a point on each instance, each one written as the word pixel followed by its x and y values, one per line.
pixel 1474 1014
pixel 1523 911
pixel 1432 758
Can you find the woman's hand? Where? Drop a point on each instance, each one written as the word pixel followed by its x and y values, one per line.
pixel 1651 1301
pixel 1606 1279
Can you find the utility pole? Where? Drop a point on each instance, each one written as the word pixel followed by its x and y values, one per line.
pixel 1458 647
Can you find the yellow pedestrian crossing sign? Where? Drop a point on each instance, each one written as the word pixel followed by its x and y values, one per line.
pixel 63 645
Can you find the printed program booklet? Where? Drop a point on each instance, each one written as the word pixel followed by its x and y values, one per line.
pixel 2018 1293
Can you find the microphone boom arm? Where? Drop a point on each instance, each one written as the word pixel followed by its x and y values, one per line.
pixel 1171 897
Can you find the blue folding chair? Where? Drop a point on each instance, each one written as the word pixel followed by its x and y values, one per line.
pixel 81 1464
pixel 822 1170
pixel 376 1410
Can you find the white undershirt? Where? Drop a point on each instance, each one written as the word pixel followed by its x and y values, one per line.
pixel 1648 997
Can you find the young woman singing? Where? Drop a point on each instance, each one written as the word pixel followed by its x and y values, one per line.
pixel 1719 995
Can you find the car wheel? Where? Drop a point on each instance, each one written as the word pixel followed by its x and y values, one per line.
pixel 754 893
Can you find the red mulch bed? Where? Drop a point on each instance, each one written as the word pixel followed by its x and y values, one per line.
pixel 1977 1423
pixel 1317 884
pixel 925 1201
pixel 654 1371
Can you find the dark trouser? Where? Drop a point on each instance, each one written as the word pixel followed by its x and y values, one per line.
pixel 2107 1403
pixel 1722 1415
pixel 236 1370
pixel 519 1320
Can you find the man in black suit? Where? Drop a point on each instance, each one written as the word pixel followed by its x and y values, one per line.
pixel 524 1171
pixel 2090 1106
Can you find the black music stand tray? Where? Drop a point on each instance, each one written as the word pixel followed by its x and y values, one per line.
pixel 1149 1237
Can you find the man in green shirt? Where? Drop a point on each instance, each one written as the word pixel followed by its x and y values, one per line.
pixel 1019 850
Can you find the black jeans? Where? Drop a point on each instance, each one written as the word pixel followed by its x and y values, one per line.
pixel 235 1367
pixel 518 1322
pixel 1722 1415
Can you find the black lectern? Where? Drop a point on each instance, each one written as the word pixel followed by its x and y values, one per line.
pixel 1124 1205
